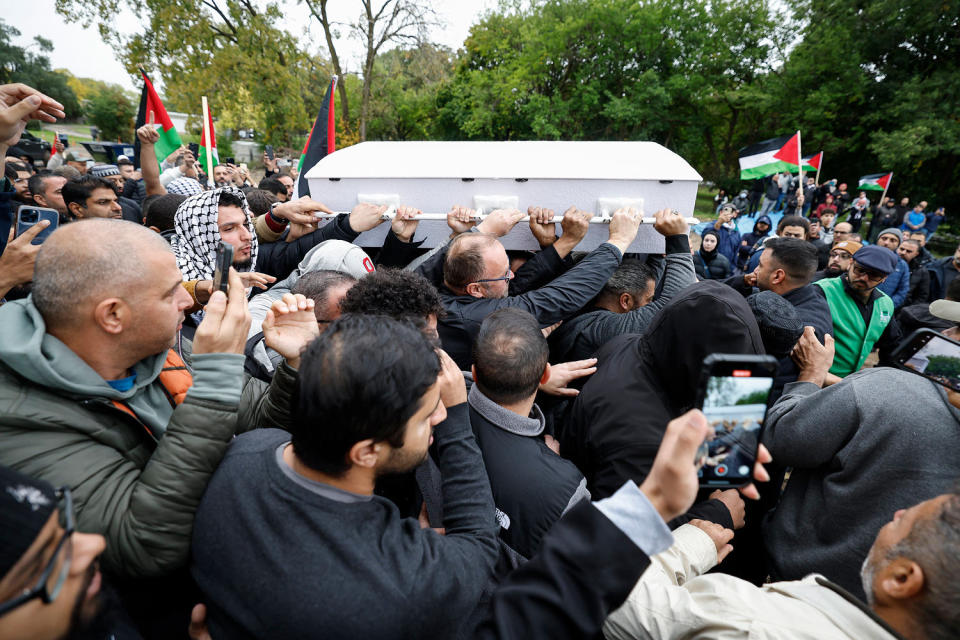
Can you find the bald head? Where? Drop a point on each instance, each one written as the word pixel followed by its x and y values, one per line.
pixel 83 262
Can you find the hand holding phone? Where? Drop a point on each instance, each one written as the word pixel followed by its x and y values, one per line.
pixel 221 274
pixel 28 216
pixel 733 395
pixel 931 355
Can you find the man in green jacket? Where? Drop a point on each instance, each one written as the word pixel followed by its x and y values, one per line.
pixel 94 395
pixel 862 314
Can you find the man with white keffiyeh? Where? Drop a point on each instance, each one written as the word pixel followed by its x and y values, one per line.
pixel 203 221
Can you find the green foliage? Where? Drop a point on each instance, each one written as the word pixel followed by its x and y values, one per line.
pixel 947 366
pixel 231 51
pixel 19 64
pixel 112 111
pixel 404 92
pixel 755 397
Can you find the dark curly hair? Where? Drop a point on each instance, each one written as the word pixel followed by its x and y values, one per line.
pixel 404 295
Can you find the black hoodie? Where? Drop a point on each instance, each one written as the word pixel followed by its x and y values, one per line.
pixel 614 428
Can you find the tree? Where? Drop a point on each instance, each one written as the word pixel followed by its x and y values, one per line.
pixel 876 82
pixel 404 92
pixel 228 50
pixel 381 22
pixel 112 111
pixel 19 64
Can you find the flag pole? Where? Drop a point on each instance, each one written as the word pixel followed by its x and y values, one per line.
pixel 799 167
pixel 883 196
pixel 817 179
pixel 206 137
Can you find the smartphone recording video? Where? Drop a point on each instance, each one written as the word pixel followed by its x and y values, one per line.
pixel 735 397
pixel 931 355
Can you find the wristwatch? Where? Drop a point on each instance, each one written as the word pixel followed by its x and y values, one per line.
pixel 274 217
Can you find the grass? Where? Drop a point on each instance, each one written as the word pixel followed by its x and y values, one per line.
pixel 703 209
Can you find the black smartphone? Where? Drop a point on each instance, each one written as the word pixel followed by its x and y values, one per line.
pixel 64 140
pixel 269 151
pixel 194 149
pixel 931 355
pixel 734 393
pixel 28 216
pixel 229 161
pixel 221 275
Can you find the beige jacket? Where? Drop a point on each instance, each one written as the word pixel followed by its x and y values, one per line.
pixel 673 600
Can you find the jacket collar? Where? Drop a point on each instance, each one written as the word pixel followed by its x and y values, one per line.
pixel 504 418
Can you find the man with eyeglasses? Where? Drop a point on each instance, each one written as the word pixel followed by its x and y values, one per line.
pixel 862 314
pixel 840 258
pixel 473 274
pixel 49 576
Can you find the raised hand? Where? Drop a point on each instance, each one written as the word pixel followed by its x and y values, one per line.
pixel 542 225
pixel 226 320
pixel 148 134
pixel 500 221
pixel 290 326
pixel 404 224
pixel 366 216
pixel 623 228
pixel 461 219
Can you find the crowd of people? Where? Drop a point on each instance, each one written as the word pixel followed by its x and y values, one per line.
pixel 460 442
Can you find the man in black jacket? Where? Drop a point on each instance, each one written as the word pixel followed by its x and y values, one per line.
pixel 615 425
pixel 787 266
pixel 909 251
pixel 371 396
pixel 621 308
pixel 532 485
pixel 473 276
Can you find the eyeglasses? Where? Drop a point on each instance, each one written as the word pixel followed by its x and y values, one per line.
pixel 506 277
pixel 42 589
pixel 869 273
pixel 840 254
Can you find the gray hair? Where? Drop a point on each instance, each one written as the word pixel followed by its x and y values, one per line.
pixel 934 544
pixel 91 258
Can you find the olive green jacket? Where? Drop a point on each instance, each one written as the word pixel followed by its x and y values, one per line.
pixel 139 490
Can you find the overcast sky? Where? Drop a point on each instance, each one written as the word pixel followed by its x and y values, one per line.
pixel 84 54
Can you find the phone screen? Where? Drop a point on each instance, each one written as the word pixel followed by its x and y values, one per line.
pixel 934 357
pixel 735 406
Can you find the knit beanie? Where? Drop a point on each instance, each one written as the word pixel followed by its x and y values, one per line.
pixel 894 232
pixel 25 507
pixel 780 326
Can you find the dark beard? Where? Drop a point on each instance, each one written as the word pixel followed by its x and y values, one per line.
pixel 246 265
pixel 110 621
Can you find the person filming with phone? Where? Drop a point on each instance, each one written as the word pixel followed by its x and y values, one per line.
pixel 881 440
pixel 99 393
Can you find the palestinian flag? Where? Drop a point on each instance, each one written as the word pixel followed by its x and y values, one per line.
pixel 769 157
pixel 213 146
pixel 169 138
pixel 320 142
pixel 875 181
pixel 812 163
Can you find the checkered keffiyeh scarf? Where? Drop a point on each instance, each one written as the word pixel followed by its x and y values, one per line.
pixel 198 235
pixel 184 187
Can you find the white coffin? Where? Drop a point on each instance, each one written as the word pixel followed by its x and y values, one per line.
pixel 433 176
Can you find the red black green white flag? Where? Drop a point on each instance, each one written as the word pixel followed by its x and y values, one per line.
pixel 768 157
pixel 320 142
pixel 213 145
pixel 812 163
pixel 875 181
pixel 169 138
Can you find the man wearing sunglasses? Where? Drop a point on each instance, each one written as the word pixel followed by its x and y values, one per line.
pixel 49 576
pixel 862 314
